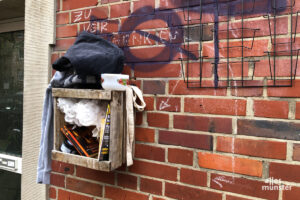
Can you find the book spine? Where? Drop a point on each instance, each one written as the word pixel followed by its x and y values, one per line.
pixel 106 137
pixel 101 137
pixel 78 143
pixel 72 141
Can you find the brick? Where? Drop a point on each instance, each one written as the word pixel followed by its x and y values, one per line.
pixel 297 114
pixel 106 177
pixel 235 70
pixel 61 167
pixel 73 4
pixel 145 22
pixel 66 31
pixel 54 57
pixel 63 44
pixel 109 1
pixel 127 181
pixel 259 47
pixel 84 187
pixel 157 70
pixel 57 180
pixel 151 186
pixel 154 87
pixel 181 53
pixel 199 123
pixel 154 170
pixel 127 71
pixel 172 35
pixel 292 194
pixel 180 156
pixel 149 152
pixel 66 195
pixel 178 87
pixel 157 198
pixel 149 103
pixel 140 38
pixel 230 164
pixel 180 18
pixel 62 18
pixel 285 172
pixel 215 106
pixel 90 27
pixel 143 7
pixel 120 10
pixel 193 177
pixel 263 69
pixel 261 24
pixel 193 70
pixel 186 193
pixel 271 109
pixel 186 139
pixel 139 118
pixel 169 4
pixel 247 92
pixel 229 197
pixel 137 83
pixel 91 14
pixel 285 91
pixel 158 120
pixel 243 186
pixel 108 26
pixel 57 5
pixel 269 129
pixel 169 104
pixel 52 193
pixel 296 152
pixel 197 33
pixel 158 54
pixel 258 148
pixel 144 134
pixel 117 194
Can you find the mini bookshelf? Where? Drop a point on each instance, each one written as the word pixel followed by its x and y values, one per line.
pixel 117 133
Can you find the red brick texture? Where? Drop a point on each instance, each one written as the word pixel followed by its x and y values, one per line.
pixel 190 143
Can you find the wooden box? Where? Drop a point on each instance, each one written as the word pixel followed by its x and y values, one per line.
pixel 117 137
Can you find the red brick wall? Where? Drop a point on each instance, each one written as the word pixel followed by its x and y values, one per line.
pixel 201 144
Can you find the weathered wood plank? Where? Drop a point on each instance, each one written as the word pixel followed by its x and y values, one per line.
pixel 81 161
pixel 81 94
pixel 116 130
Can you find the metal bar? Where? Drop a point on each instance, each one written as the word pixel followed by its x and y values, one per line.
pixel 242 43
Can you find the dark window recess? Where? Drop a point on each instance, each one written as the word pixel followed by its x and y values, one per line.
pixel 11 92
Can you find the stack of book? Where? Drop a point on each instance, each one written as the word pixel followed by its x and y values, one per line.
pixel 86 145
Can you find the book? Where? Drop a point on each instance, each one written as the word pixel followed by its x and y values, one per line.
pixel 85 144
pixel 104 150
pixel 101 133
pixel 68 136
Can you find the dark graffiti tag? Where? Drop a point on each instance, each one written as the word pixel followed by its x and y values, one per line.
pixel 175 37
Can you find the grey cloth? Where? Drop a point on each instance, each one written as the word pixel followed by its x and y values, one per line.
pixel 60 79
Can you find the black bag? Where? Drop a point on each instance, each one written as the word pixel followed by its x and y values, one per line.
pixel 91 55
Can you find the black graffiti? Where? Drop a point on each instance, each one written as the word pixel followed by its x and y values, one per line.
pixel 218 8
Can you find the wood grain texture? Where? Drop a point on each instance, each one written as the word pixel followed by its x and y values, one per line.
pixel 81 94
pixel 81 161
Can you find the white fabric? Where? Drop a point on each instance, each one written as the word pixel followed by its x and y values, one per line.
pixel 82 112
pixel 132 95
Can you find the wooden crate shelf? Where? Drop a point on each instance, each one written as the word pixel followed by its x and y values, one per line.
pixel 117 134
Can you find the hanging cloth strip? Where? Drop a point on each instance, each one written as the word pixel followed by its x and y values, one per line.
pixel 133 94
